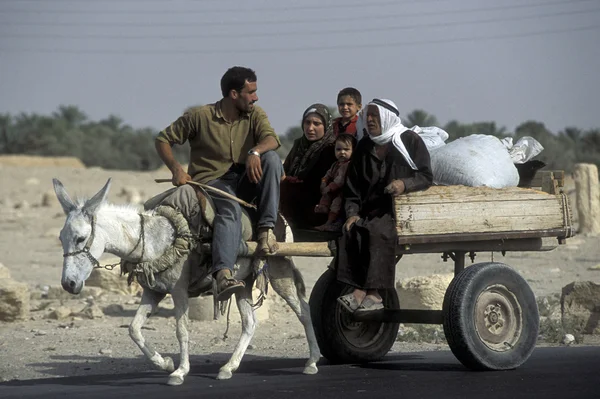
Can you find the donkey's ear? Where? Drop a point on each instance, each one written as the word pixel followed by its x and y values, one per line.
pixel 65 201
pixel 93 203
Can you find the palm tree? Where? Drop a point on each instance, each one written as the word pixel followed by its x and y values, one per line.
pixel 489 128
pixel 591 140
pixel 71 114
pixel 113 122
pixel 573 133
pixel 535 129
pixel 420 118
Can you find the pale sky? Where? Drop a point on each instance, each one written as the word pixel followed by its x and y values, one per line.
pixel 147 60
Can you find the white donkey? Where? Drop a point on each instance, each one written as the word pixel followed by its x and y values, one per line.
pixel 94 226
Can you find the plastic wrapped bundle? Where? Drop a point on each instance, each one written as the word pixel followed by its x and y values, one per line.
pixel 524 150
pixel 476 160
pixel 432 136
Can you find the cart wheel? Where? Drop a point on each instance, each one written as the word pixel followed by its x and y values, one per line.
pixel 340 338
pixel 491 319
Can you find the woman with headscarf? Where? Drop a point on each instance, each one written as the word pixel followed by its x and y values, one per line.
pixel 305 165
pixel 389 161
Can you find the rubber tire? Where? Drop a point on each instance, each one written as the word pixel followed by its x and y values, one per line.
pixel 459 324
pixel 325 315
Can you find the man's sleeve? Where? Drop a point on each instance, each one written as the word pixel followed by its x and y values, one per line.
pixel 263 128
pixel 423 177
pixel 180 131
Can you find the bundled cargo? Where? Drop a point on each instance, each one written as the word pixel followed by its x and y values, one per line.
pixel 481 160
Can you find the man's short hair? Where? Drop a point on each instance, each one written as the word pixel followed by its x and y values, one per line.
pixel 347 139
pixel 235 78
pixel 352 92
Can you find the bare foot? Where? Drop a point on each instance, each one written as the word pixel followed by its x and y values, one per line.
pixel 329 227
pixel 374 298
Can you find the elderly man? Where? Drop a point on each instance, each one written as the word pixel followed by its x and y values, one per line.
pixel 231 143
pixel 389 161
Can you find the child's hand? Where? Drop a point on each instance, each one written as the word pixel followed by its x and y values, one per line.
pixel 395 188
pixel 292 179
pixel 321 208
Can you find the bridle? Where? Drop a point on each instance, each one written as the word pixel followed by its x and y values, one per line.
pixel 90 242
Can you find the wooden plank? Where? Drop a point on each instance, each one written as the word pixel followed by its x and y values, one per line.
pixel 550 185
pixel 316 249
pixel 551 206
pixel 452 243
pixel 443 210
pixel 452 240
pixel 558 175
pixel 460 194
pixel 487 226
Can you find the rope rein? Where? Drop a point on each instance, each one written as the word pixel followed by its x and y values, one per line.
pixel 90 242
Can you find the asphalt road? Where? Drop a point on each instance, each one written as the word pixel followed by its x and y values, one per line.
pixel 566 372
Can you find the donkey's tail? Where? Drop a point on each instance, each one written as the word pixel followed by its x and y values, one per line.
pixel 298 279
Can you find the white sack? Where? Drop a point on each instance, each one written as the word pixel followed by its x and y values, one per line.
pixel 476 160
pixel 433 136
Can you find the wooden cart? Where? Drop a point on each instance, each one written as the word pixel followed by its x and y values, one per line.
pixel 489 314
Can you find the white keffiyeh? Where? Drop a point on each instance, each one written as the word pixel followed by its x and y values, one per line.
pixel 391 129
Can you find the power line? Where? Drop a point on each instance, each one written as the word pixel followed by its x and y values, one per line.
pixel 216 10
pixel 301 49
pixel 288 21
pixel 110 1
pixel 291 33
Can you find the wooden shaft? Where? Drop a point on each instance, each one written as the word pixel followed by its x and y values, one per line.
pixel 317 249
pixel 213 189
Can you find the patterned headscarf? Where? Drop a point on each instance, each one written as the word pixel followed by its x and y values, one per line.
pixel 305 154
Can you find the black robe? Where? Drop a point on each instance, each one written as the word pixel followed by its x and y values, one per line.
pixel 366 254
pixel 297 200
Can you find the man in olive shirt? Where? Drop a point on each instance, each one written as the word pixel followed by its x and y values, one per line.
pixel 231 143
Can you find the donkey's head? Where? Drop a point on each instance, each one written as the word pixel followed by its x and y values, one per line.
pixel 82 246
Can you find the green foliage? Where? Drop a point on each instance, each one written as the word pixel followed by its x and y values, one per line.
pixel 456 129
pixel 108 143
pixel 112 144
pixel 287 140
pixel 420 118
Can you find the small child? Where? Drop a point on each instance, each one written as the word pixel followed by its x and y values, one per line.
pixel 349 103
pixel 332 183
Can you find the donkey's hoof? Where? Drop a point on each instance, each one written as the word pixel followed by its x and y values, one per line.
pixel 224 375
pixel 175 380
pixel 168 365
pixel 310 369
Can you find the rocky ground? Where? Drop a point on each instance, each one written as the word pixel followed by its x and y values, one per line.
pixel 64 335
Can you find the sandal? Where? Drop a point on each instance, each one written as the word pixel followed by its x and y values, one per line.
pixel 227 285
pixel 267 242
pixel 349 302
pixel 369 305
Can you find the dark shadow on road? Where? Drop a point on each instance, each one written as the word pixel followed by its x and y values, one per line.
pixel 122 371
pixel 138 371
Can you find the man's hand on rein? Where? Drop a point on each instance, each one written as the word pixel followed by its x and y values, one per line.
pixel 180 178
